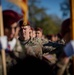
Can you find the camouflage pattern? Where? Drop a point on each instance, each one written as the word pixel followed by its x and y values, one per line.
pixel 43 40
pixel 49 53
pixel 19 50
pixel 37 48
pixel 48 49
pixel 50 58
pixel 34 48
pixel 62 41
pixel 54 51
pixel 12 57
pixel 63 66
pixel 51 47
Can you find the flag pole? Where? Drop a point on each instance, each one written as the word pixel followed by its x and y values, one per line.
pixel 72 24
pixel 2 34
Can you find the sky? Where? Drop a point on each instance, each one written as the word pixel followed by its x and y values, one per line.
pixel 6 5
pixel 53 7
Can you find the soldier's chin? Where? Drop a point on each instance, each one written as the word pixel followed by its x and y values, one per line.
pixel 11 37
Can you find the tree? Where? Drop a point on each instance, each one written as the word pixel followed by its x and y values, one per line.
pixel 65 7
pixel 40 18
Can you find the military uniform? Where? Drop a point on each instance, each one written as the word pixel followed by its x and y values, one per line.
pixel 49 52
pixel 61 41
pixel 54 51
pixel 14 56
pixel 10 21
pixel 64 65
pixel 33 48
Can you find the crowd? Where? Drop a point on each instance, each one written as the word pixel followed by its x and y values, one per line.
pixel 29 51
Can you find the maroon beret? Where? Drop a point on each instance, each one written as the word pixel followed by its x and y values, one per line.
pixel 32 28
pixel 21 23
pixel 39 29
pixel 10 17
pixel 65 27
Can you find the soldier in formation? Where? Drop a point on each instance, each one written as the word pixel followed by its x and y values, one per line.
pixel 19 44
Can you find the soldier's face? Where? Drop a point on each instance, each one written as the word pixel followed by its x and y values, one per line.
pixel 34 33
pixel 31 33
pixel 54 38
pixel 39 34
pixel 25 30
pixel 10 32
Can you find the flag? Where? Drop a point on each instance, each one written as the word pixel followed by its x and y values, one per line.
pixel 23 4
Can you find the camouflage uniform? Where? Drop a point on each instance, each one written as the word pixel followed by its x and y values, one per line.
pixel 61 41
pixel 41 40
pixel 49 53
pixel 34 48
pixel 63 68
pixel 12 57
pixel 22 49
pixel 44 40
pixel 54 51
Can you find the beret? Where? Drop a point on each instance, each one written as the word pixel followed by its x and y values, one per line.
pixel 39 29
pixel 22 23
pixel 65 27
pixel 10 17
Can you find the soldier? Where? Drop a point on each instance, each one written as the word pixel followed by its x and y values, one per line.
pixel 60 38
pixel 11 29
pixel 40 36
pixel 62 61
pixel 16 49
pixel 32 33
pixel 24 32
pixel 52 37
pixel 39 32
pixel 63 64
pixel 31 45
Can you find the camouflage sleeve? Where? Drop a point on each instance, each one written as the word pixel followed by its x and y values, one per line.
pixel 34 49
pixel 62 66
pixel 50 58
pixel 19 50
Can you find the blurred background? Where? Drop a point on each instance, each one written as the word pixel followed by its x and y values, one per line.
pixel 47 14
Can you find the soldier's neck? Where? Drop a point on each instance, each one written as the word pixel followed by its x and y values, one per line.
pixel 26 38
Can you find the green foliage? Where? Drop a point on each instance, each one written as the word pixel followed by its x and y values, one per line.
pixel 49 26
pixel 49 23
